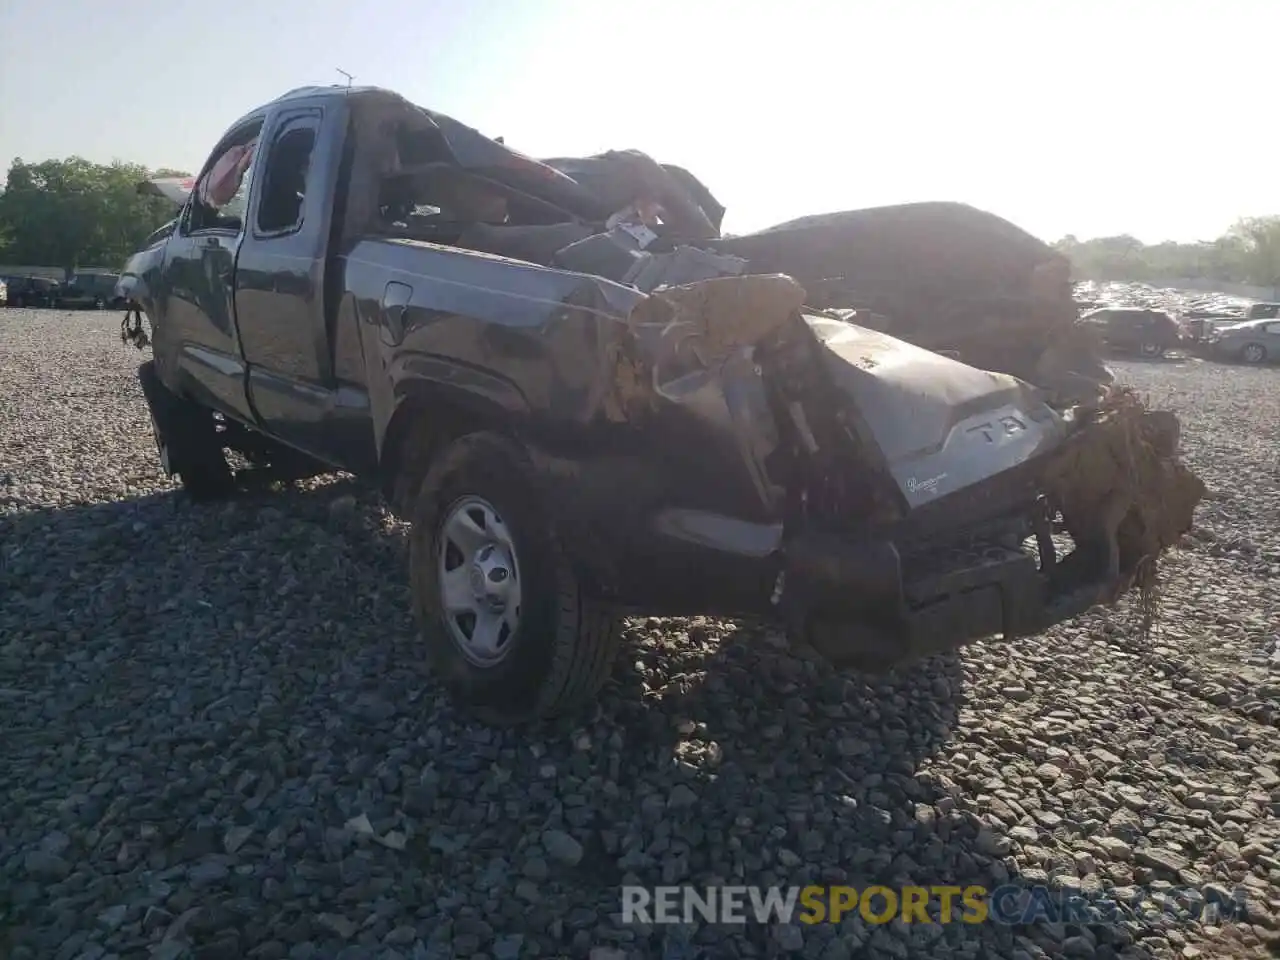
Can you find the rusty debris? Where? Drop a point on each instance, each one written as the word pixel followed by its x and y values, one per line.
pixel 724 312
pixel 1119 478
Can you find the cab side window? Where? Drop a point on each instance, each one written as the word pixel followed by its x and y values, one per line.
pixel 284 187
pixel 221 194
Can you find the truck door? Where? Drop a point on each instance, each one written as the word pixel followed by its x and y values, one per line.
pixel 280 298
pixel 199 336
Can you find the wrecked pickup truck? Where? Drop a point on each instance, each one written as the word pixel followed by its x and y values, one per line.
pixel 588 401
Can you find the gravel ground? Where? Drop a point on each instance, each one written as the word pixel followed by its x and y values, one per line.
pixel 219 740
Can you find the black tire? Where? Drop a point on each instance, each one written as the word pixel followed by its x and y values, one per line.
pixel 190 434
pixel 99 303
pixel 1253 353
pixel 563 646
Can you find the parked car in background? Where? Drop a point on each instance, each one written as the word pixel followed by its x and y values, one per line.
pixel 1146 331
pixel 96 290
pixel 33 291
pixel 1252 341
pixel 1199 330
pixel 73 296
pixel 1263 311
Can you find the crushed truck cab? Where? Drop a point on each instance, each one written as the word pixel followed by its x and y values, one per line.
pixel 883 429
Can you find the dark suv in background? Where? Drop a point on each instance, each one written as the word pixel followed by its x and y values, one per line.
pixel 1136 329
pixel 33 291
pixel 96 290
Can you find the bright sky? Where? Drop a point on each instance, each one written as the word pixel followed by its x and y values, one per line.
pixel 1092 117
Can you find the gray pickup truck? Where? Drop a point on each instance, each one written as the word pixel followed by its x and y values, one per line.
pixel 591 403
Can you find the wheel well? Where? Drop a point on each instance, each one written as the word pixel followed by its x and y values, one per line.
pixel 420 427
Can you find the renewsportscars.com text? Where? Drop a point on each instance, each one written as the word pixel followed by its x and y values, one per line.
pixel 934 904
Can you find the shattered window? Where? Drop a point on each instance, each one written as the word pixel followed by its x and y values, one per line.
pixel 225 188
pixel 222 193
pixel 234 208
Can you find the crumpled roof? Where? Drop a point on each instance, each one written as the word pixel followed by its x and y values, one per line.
pixel 591 188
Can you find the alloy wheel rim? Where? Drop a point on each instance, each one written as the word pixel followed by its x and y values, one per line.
pixel 479 578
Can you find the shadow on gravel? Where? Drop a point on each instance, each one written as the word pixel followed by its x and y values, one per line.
pixel 88 521
pixel 752 743
pixel 296 702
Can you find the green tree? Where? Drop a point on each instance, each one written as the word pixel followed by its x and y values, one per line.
pixel 1257 240
pixel 74 213
pixel 1247 253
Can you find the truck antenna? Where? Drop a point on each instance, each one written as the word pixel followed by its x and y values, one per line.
pixel 345 74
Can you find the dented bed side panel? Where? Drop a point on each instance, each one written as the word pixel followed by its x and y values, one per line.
pixel 535 338
pixel 498 340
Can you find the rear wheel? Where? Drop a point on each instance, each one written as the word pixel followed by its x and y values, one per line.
pixel 502 615
pixel 1253 353
pixel 186 439
pixel 1151 348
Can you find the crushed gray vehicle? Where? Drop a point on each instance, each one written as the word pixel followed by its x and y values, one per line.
pixel 882 428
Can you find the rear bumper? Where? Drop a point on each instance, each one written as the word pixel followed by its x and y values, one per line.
pixel 871 603
pixel 934 583
pixel 866 603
